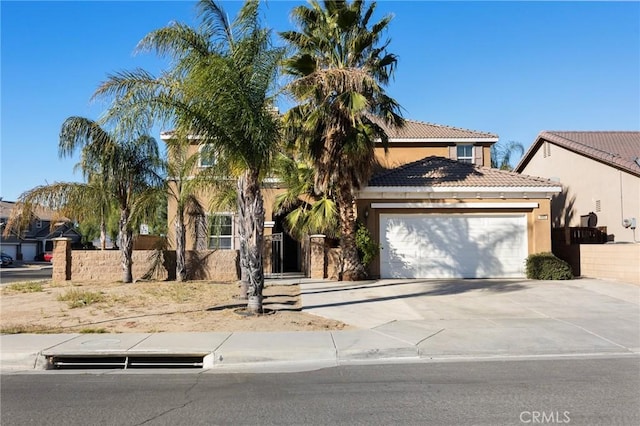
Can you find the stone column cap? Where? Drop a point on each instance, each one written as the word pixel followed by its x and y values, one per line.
pixel 61 239
pixel 317 236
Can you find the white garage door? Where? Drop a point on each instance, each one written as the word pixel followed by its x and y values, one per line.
pixel 29 251
pixel 10 249
pixel 453 246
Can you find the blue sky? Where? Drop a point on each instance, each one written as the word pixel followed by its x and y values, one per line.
pixel 511 68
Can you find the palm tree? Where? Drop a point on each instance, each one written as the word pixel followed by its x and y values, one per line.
pixel 121 174
pixel 501 155
pixel 220 90
pixel 128 170
pixel 183 189
pixel 339 69
pixel 307 212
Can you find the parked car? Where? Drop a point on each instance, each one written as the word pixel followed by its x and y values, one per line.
pixel 44 257
pixel 6 259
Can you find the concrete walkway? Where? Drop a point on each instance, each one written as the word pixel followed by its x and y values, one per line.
pixel 397 320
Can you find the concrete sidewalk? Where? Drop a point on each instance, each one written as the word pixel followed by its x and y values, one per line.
pixel 398 320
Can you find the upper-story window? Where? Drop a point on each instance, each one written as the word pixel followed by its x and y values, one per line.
pixel 464 153
pixel 207 156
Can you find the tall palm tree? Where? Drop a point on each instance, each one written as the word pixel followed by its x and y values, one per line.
pixel 220 90
pixel 339 68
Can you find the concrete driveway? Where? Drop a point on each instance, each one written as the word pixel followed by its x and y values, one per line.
pixel 491 317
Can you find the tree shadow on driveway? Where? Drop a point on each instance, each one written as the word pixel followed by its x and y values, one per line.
pixel 433 288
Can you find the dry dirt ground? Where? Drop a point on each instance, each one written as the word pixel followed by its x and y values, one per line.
pixel 145 307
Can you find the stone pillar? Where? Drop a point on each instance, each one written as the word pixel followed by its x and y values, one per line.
pixel 317 255
pixel 61 259
pixel 266 255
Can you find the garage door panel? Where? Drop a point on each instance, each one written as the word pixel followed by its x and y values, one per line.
pixel 29 251
pixel 10 249
pixel 452 246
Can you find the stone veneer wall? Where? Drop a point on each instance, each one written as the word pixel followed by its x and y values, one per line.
pixel 104 265
pixel 611 261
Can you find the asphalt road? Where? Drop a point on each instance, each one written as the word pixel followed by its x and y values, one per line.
pixel 559 391
pixel 9 274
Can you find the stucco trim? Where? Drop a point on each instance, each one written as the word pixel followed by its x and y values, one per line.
pixel 454 205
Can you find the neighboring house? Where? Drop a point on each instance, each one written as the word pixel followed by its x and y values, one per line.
pixel 38 236
pixel 436 208
pixel 599 172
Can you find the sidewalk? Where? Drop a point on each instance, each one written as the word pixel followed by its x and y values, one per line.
pixel 398 320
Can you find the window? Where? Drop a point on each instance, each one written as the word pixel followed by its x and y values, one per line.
pixel 221 232
pixel 207 156
pixel 464 153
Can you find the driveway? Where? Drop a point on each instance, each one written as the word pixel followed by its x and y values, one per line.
pixel 488 316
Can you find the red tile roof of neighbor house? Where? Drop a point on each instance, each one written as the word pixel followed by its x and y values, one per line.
pixel 619 149
pixel 414 129
pixel 443 172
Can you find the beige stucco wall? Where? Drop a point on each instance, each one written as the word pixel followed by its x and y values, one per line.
pixel 538 219
pixel 585 182
pixel 611 261
pixel 399 154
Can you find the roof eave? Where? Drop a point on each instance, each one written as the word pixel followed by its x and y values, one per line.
pixel 489 192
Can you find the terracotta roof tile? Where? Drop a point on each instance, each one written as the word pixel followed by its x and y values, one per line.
pixel 443 172
pixel 618 149
pixel 414 129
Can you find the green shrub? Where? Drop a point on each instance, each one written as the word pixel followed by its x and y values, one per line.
pixel 545 266
pixel 367 248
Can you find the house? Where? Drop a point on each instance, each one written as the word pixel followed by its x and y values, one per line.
pixel 600 176
pixel 37 237
pixel 435 206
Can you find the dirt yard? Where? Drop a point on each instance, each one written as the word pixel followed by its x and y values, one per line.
pixel 145 307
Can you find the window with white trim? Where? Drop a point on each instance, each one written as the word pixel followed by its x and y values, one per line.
pixel 464 153
pixel 221 231
pixel 207 155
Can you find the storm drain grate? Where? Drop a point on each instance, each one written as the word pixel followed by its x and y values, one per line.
pixel 123 362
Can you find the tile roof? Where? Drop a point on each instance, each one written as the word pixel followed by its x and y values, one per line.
pixel 414 129
pixel 443 172
pixel 619 149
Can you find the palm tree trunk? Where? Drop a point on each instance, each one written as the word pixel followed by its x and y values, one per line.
pixel 103 235
pixel 251 233
pixel 181 243
pixel 126 246
pixel 352 268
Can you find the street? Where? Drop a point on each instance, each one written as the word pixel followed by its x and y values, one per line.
pixel 552 391
pixel 12 274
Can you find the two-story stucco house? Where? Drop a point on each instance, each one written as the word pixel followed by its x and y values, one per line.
pixel 37 237
pixel 436 208
pixel 599 172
